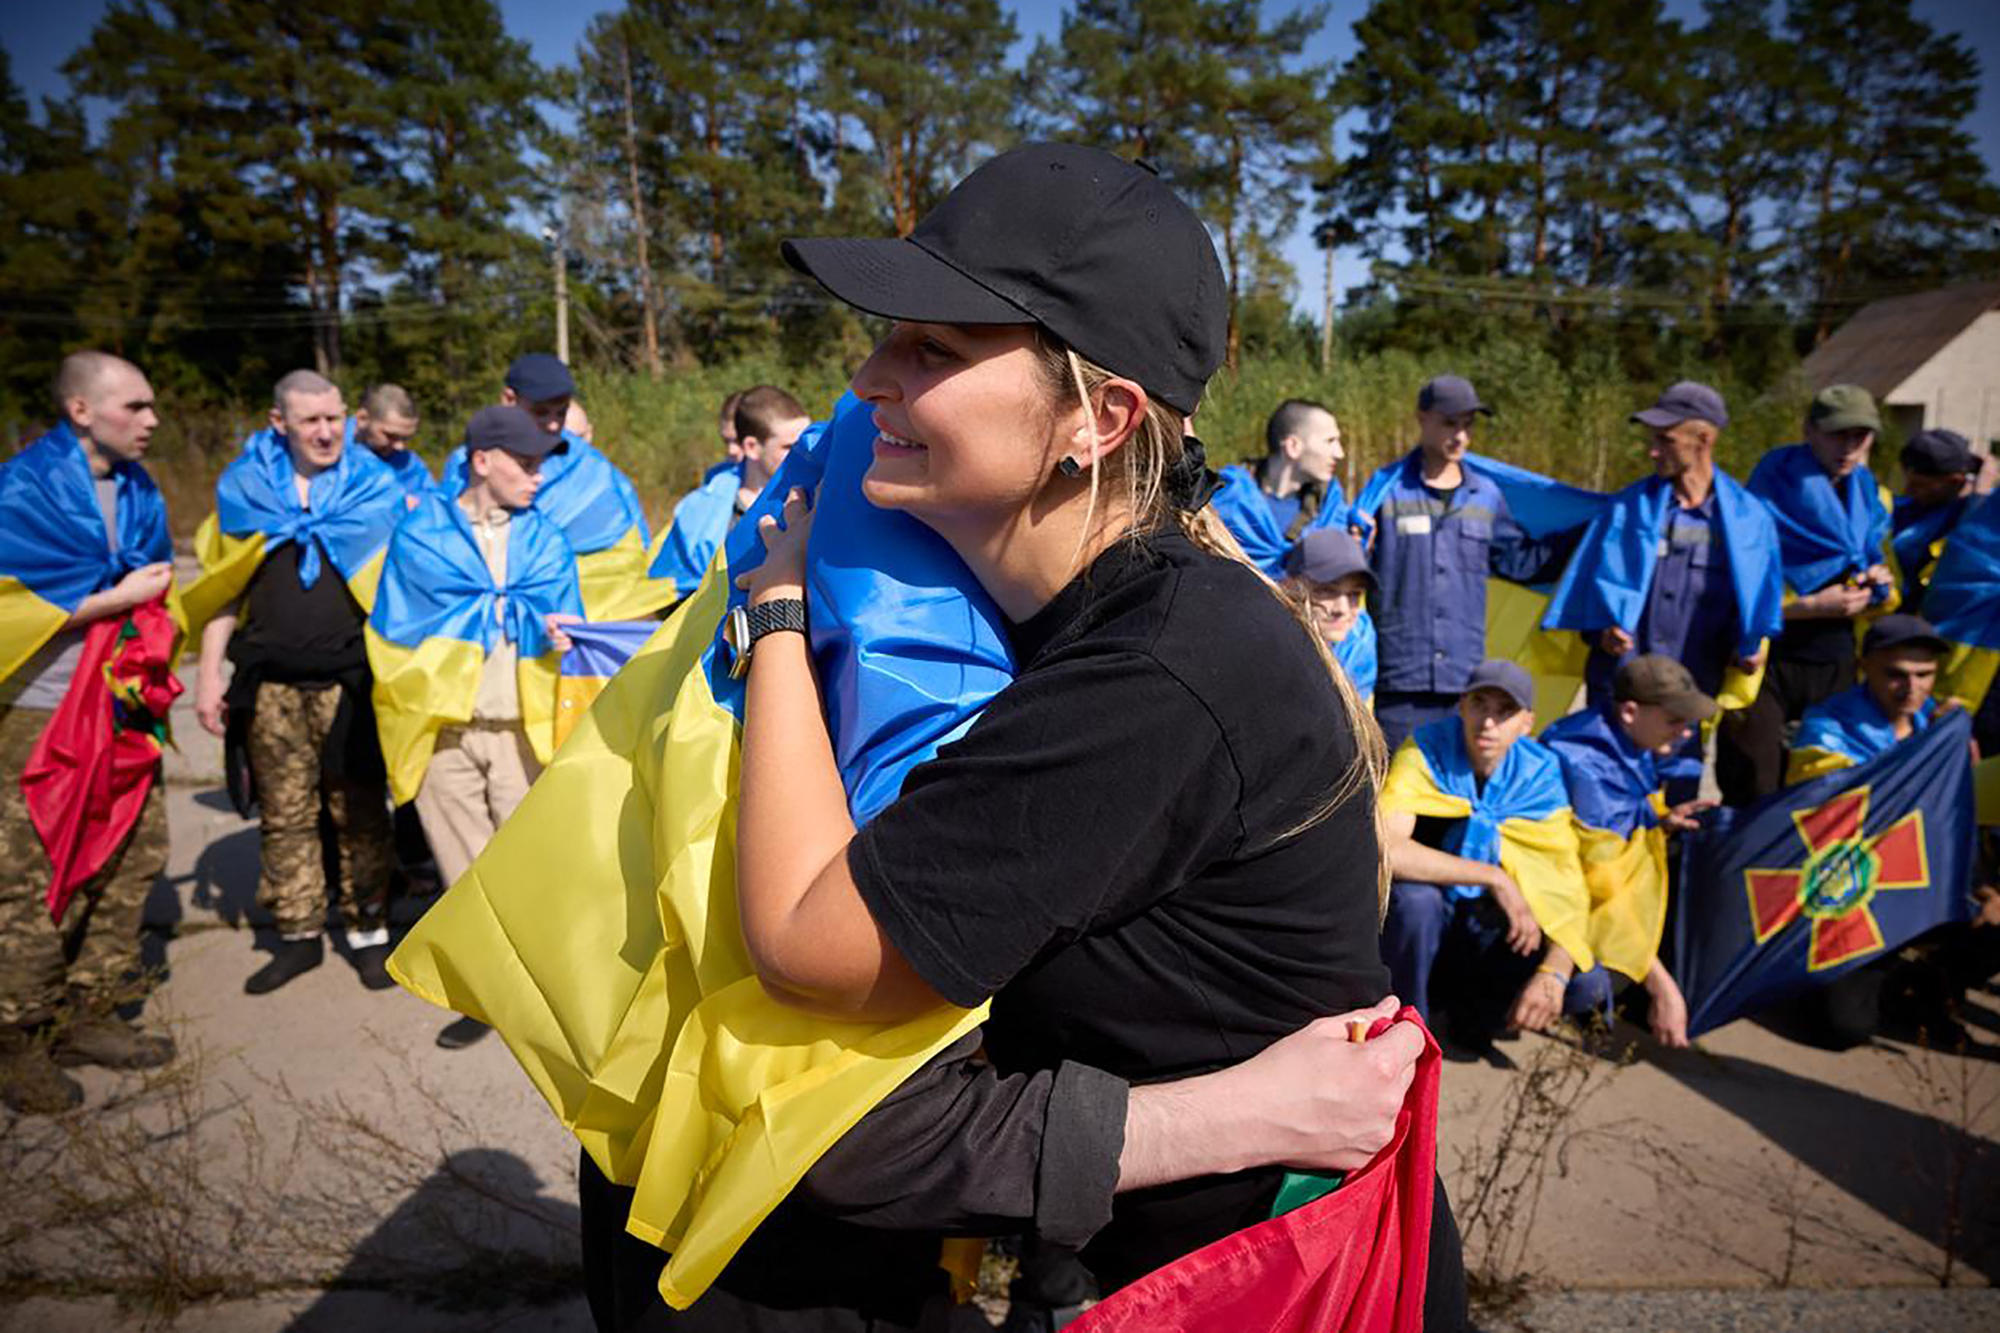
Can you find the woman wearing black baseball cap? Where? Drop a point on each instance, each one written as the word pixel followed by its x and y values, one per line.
pixel 1156 849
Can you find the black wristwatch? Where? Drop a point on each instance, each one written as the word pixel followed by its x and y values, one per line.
pixel 747 624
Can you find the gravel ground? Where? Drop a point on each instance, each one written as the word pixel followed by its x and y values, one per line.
pixel 1874 1310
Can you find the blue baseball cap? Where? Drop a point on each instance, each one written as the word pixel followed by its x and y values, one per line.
pixel 1452 395
pixel 1507 677
pixel 1686 401
pixel 1939 453
pixel 1326 554
pixel 513 429
pixel 538 377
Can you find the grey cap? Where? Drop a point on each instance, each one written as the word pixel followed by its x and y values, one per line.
pixel 513 429
pixel 1686 401
pixel 1451 395
pixel 1939 453
pixel 538 377
pixel 1507 677
pixel 1326 554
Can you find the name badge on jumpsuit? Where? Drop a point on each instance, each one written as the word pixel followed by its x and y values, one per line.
pixel 1413 525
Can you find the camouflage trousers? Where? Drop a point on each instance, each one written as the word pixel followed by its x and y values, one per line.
pixel 96 947
pixel 287 733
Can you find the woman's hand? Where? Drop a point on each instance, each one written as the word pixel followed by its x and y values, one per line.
pixel 783 572
pixel 1323 1102
pixel 552 625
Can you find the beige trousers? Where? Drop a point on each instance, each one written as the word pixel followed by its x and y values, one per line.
pixel 477 775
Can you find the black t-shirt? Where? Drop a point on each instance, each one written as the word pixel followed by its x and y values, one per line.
pixel 1106 853
pixel 298 633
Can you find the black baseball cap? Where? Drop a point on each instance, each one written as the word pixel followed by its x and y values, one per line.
pixel 1939 453
pixel 1452 395
pixel 1097 250
pixel 1686 401
pixel 1510 678
pixel 1901 631
pixel 513 429
pixel 538 377
pixel 1326 554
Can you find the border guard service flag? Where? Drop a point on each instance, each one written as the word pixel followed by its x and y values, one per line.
pixel 1819 879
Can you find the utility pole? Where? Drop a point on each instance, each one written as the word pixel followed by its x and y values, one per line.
pixel 1324 235
pixel 559 251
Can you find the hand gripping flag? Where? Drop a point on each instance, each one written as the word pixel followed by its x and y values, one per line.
pixel 438 616
pixel 54 550
pixel 1544 508
pixel 584 494
pixel 1819 879
pixel 87 778
pixel 1241 506
pixel 598 650
pixel 1827 530
pixel 1608 581
pixel 1963 604
pixel 598 933
pixel 1519 820
pixel 701 521
pixel 1352 1261
pixel 354 505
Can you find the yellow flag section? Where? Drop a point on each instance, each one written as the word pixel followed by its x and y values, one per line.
pixel 420 691
pixel 615 582
pixel 229 563
pixel 1627 879
pixel 27 621
pixel 1986 791
pixel 1553 658
pixel 598 934
pixel 1524 823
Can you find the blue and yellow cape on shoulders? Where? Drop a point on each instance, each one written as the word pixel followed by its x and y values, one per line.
pixel 54 550
pixel 437 616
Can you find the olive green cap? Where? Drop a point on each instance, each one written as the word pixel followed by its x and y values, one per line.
pixel 1844 407
pixel 1658 679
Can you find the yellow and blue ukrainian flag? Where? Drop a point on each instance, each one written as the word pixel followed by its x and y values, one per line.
pixel 54 550
pixel 701 521
pixel 1607 580
pixel 438 615
pixel 1519 820
pixel 628 996
pixel 355 504
pixel 584 494
pixel 1824 877
pixel 599 650
pixel 1615 796
pixel 1844 730
pixel 1963 605
pixel 1241 506
pixel 1543 507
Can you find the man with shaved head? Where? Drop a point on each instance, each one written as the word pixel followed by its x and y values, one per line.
pixel 83 545
pixel 386 422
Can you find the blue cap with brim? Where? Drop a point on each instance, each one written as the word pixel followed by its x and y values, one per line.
pixel 1507 677
pixel 1452 396
pixel 1686 401
pixel 513 429
pixel 538 377
pixel 1326 555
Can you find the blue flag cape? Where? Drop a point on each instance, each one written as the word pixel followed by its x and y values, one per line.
pixel 410 471
pixel 54 551
pixel 1607 581
pixel 354 505
pixel 598 649
pixel 1528 784
pixel 1963 603
pixel 1356 655
pixel 583 493
pixel 438 615
pixel 1819 879
pixel 701 521
pixel 1844 730
pixel 1825 532
pixel 1241 506
pixel 1611 782
pixel 1542 507
pixel 1917 538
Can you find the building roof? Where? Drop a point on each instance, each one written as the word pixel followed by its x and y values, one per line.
pixel 1888 341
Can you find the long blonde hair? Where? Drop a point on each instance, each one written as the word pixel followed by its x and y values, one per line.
pixel 1142 465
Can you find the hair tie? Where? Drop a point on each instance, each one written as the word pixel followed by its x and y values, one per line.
pixel 1190 483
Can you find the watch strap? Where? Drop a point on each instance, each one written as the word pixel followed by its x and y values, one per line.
pixel 782 613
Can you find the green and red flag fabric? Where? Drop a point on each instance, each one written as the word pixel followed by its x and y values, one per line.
pixel 1827 876
pixel 87 778
pixel 1352 1261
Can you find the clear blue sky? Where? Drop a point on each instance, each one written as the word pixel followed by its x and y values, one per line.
pixel 39 37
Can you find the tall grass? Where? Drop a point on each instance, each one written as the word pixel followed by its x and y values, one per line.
pixel 1568 421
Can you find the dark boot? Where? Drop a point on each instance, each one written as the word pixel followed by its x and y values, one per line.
pixel 458 1035
pixel 109 1041
pixel 294 958
pixel 30 1083
pixel 371 962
